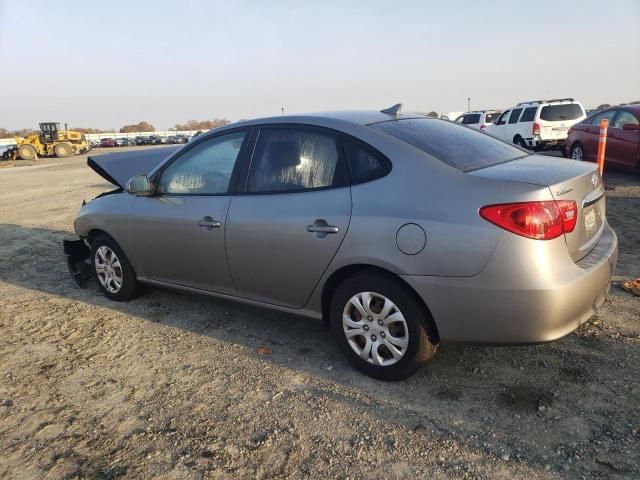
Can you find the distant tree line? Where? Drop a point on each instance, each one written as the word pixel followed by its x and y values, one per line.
pixel 133 128
pixel 22 132
pixel 201 125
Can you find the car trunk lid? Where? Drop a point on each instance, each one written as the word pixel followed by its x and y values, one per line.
pixel 118 168
pixel 566 180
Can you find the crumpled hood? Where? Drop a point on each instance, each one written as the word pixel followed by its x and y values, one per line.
pixel 118 168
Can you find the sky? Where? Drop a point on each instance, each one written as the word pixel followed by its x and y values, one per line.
pixel 109 63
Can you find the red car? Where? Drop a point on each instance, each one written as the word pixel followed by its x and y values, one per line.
pixel 623 138
pixel 107 142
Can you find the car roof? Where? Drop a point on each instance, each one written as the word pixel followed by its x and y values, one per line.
pixel 356 117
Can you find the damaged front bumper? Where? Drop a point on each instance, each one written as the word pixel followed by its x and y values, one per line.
pixel 78 263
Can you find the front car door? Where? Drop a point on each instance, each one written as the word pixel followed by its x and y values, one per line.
pixel 622 145
pixel 287 226
pixel 591 137
pixel 499 129
pixel 179 232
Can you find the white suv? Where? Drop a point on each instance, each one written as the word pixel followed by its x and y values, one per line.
pixel 478 119
pixel 539 124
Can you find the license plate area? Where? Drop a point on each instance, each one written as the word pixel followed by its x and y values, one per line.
pixel 590 220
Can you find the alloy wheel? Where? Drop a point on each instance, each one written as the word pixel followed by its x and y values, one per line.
pixel 576 153
pixel 108 269
pixel 375 328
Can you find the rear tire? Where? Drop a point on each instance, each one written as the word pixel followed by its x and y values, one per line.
pixel 387 341
pixel 577 152
pixel 63 150
pixel 112 269
pixel 27 152
pixel 518 140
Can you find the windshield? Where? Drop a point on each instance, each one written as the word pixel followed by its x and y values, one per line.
pixel 557 113
pixel 491 117
pixel 462 148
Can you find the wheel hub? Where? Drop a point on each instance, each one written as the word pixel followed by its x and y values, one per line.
pixel 108 269
pixel 375 328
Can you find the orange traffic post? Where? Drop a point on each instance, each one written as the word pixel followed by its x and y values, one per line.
pixel 602 143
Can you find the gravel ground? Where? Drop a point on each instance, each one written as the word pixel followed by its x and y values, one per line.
pixel 172 386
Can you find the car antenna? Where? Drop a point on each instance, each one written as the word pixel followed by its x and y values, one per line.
pixel 395 110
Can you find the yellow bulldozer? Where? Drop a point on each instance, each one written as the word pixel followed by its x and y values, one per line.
pixel 51 141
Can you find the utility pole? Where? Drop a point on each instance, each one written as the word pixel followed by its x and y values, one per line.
pixel 282 111
pixel 468 104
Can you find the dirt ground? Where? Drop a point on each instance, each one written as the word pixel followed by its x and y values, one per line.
pixel 171 385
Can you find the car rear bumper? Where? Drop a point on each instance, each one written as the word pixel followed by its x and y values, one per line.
pixel 486 309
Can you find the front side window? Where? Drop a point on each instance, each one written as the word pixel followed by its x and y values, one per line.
pixel 204 169
pixel 609 114
pixel 515 114
pixel 290 159
pixel 529 114
pixel 463 148
pixel 623 118
pixel 561 112
pixel 503 118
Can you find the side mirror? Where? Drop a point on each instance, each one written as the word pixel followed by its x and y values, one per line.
pixel 138 185
pixel 631 126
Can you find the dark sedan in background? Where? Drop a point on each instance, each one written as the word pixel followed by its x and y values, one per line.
pixel 107 142
pixel 623 138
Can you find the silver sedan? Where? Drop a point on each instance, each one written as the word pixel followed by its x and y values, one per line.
pixel 399 230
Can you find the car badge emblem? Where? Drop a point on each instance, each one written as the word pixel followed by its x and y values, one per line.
pixel 594 179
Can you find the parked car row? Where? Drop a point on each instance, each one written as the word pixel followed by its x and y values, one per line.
pixel 623 137
pixel 141 140
pixel 562 124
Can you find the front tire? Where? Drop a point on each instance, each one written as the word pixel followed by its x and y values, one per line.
pixel 112 269
pixel 380 326
pixel 27 152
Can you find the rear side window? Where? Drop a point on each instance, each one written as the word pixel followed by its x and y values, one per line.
pixel 529 114
pixel 366 164
pixel 462 148
pixel 559 113
pixel 290 159
pixel 515 114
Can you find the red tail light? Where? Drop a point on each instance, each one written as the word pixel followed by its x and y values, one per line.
pixel 483 127
pixel 536 129
pixel 538 220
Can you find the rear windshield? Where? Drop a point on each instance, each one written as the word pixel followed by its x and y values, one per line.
pixel 462 148
pixel 471 119
pixel 491 117
pixel 557 113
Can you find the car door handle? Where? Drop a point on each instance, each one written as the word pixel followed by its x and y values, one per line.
pixel 209 223
pixel 322 229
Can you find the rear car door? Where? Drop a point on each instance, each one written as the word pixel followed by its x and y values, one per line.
pixel 622 145
pixel 179 232
pixel 287 226
pixel 512 126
